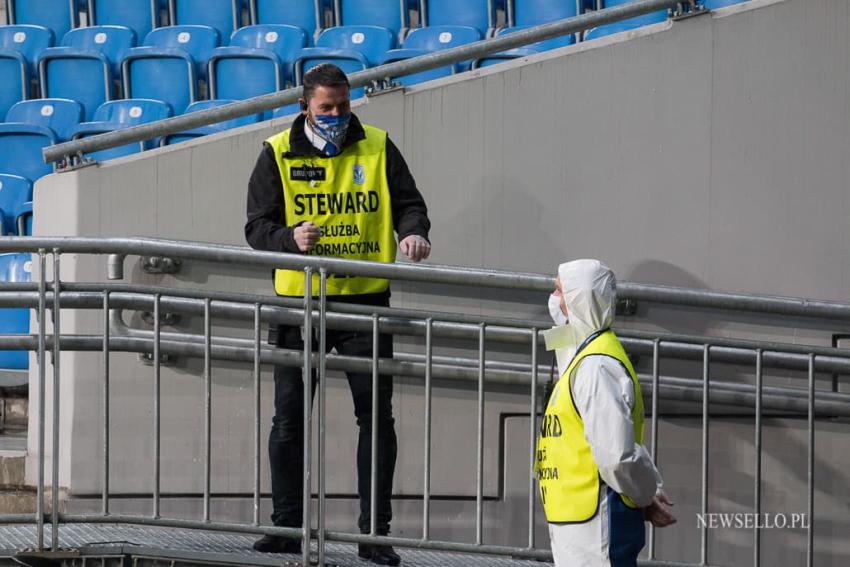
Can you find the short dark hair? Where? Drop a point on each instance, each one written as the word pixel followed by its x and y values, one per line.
pixel 323 75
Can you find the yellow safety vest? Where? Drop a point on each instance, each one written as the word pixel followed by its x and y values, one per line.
pixel 567 474
pixel 348 197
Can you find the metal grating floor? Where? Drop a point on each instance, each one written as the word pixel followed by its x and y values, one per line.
pixel 215 547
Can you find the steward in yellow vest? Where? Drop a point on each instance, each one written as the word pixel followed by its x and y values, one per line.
pixel 597 481
pixel 331 186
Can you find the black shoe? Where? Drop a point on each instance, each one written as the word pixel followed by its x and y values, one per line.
pixel 277 544
pixel 380 554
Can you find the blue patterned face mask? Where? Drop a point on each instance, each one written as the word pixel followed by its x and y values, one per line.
pixel 332 130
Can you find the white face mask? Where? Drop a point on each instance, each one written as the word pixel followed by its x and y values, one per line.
pixel 555 310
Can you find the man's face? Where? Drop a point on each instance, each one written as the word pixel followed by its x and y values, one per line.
pixel 560 295
pixel 330 101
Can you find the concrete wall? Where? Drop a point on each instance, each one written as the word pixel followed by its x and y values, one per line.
pixel 710 152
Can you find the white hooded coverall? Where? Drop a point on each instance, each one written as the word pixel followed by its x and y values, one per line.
pixel 603 394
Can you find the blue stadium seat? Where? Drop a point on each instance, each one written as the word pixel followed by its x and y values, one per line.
pixel 20 149
pixel 112 41
pixel 384 13
pixel 625 25
pixel 29 40
pixel 178 53
pixel 237 73
pixel 15 85
pixel 284 40
pixel 141 16
pixel 536 12
pixel 225 16
pixel 524 51
pixel 58 16
pixel 81 75
pixel 15 268
pixel 14 192
pixel 352 48
pixel 305 14
pixel 426 40
pixel 211 128
pixel 118 114
pixel 478 14
pixel 61 115
pixel 714 4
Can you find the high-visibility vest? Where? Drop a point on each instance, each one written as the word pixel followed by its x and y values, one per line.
pixel 348 197
pixel 567 474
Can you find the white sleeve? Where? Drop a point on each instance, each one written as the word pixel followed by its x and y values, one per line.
pixel 604 397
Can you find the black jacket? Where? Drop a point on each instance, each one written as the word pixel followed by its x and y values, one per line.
pixel 266 228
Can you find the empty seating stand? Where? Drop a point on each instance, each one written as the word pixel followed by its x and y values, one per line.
pixel 535 12
pixel 211 128
pixel 118 114
pixel 305 14
pixel 20 149
pixel 141 16
pixel 426 40
pixel 58 16
pixel 170 65
pixel 61 115
pixel 15 268
pixel 525 50
pixel 352 48
pixel 15 199
pixel 285 41
pixel 478 14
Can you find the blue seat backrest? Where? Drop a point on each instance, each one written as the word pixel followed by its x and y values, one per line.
pixel 58 16
pixel 20 149
pixel 714 4
pixel 19 268
pixel 479 14
pixel 84 76
pixel 284 40
pixel 15 268
pixel 197 41
pixel 223 15
pixel 110 40
pixel 244 72
pixel 15 83
pixel 441 37
pixel 371 41
pixel 133 111
pixel 59 114
pixel 138 15
pixel 299 13
pixel 14 192
pixel 29 40
pixel 535 12
pixel 384 13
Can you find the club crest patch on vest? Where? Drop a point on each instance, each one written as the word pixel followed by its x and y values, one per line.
pixel 306 173
pixel 359 174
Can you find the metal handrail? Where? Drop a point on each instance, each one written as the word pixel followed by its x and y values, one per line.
pixel 432 273
pixel 270 101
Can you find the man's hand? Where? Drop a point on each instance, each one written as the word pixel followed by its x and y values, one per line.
pixel 415 247
pixel 658 513
pixel 306 236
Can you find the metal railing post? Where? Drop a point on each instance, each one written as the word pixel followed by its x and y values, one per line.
pixel 323 470
pixel 257 412
pixel 207 409
pixel 426 466
pixel 373 468
pixel 758 448
pixel 307 377
pixel 42 392
pixel 105 395
pixel 532 438
pixel 656 347
pixel 479 467
pixel 57 351
pixel 704 477
pixel 810 499
pixel 157 398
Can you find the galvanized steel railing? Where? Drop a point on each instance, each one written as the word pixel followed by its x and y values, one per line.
pixel 112 298
pixel 75 149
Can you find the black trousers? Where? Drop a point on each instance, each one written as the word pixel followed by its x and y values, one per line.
pixel 286 441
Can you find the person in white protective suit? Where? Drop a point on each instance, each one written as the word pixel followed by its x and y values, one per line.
pixel 598 483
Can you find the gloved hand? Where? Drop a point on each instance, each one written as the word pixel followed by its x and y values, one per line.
pixel 415 247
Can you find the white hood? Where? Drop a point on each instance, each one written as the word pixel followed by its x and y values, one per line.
pixel 590 293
